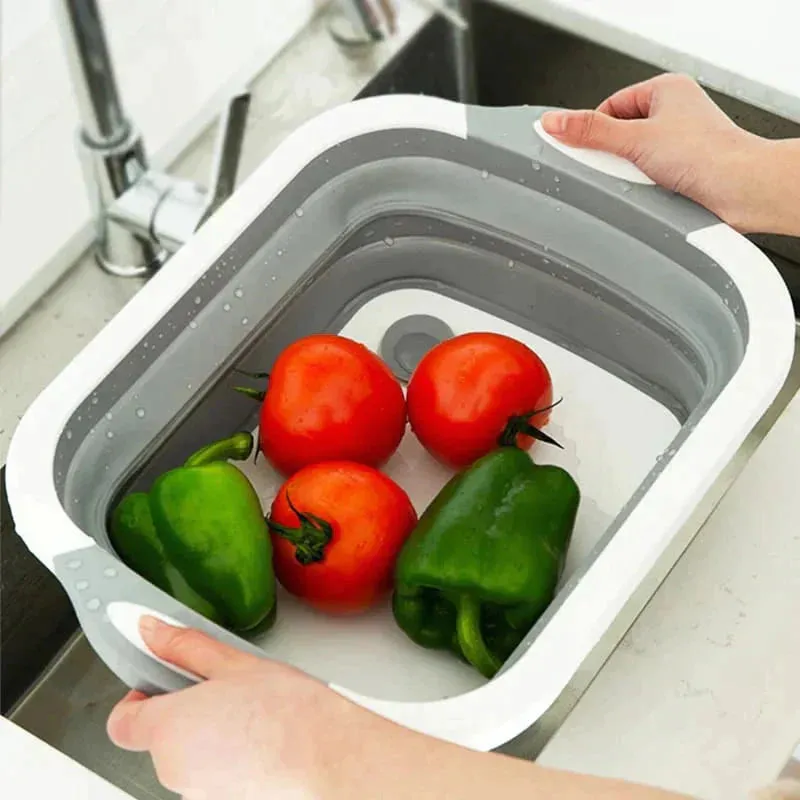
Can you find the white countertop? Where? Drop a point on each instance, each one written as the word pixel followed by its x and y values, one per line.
pixel 30 768
pixel 703 696
pixel 746 50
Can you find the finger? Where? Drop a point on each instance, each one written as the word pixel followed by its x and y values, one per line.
pixel 194 651
pixel 132 722
pixel 632 102
pixel 593 130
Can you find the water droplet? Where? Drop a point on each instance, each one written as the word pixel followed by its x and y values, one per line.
pixel 188 385
pixel 94 401
pixel 511 263
pixel 193 325
pixel 245 320
pixel 239 293
pixel 558 208
pixel 485 174
pixel 82 585
pixel 274 278
pixel 93 604
pixel 109 434
pixel 145 345
pixel 109 415
pixel 68 434
pixel 79 417
pixel 536 166
pixel 299 212
pixel 226 307
pixel 74 564
pixel 388 241
pixel 280 252
pixel 140 412
pixel 545 261
pixel 556 179
pixel 198 300
pixel 110 572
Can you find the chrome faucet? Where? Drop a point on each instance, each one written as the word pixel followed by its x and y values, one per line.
pixel 143 215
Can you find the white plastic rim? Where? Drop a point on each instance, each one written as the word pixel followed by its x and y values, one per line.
pixel 503 708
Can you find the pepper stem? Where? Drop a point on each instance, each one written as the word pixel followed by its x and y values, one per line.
pixel 238 447
pixel 309 539
pixel 470 639
pixel 520 424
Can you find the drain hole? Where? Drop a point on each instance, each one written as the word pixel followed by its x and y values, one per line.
pixel 406 342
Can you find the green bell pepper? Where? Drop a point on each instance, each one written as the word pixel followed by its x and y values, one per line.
pixel 199 534
pixel 484 560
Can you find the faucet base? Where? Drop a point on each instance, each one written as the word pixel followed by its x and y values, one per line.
pixel 133 255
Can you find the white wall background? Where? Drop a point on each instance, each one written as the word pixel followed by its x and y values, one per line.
pixel 176 61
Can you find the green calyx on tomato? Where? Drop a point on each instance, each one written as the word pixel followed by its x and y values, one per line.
pixel 521 424
pixel 309 538
pixel 255 394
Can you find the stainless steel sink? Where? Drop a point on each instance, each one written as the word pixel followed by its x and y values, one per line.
pixel 518 61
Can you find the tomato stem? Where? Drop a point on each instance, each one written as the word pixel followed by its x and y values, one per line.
pixel 309 539
pixel 521 424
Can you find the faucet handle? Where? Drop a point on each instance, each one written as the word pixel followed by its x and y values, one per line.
pixel 227 153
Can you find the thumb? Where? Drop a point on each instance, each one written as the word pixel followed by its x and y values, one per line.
pixel 590 129
pixel 194 651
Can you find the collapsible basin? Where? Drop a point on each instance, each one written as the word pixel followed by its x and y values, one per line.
pixel 666 333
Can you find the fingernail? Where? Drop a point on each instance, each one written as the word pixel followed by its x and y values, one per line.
pixel 554 122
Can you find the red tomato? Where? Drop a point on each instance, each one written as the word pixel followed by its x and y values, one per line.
pixel 330 398
pixel 466 390
pixel 337 529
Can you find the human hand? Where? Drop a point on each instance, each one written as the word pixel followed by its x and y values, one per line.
pixel 253 729
pixel 672 130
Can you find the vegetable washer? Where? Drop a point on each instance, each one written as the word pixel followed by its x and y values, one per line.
pixel 396 220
